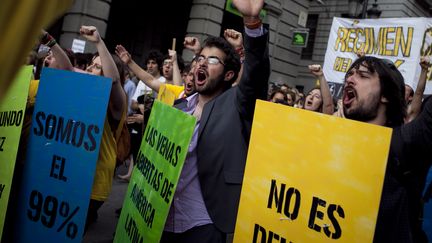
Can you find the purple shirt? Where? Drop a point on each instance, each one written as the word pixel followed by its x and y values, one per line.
pixel 188 209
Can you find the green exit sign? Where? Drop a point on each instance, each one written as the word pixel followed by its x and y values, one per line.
pixel 300 38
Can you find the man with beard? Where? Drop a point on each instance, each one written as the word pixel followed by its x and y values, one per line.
pixel 374 93
pixel 206 199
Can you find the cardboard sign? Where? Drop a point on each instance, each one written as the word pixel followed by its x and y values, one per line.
pixel 400 40
pixel 311 178
pixel 154 179
pixel 67 127
pixel 78 46
pixel 12 110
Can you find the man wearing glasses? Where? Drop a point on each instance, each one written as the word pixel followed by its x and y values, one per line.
pixel 205 203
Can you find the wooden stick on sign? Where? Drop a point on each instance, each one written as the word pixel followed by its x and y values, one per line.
pixel 173 44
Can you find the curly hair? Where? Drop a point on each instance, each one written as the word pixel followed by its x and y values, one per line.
pixel 157 56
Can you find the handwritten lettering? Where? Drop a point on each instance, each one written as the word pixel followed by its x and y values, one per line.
pixel 389 41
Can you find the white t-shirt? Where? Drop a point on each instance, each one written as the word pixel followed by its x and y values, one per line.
pixel 144 89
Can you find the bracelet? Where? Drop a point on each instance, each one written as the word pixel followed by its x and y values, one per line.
pixel 240 51
pixel 48 40
pixel 51 43
pixel 252 22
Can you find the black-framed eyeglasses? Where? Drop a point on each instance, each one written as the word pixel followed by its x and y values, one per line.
pixel 212 60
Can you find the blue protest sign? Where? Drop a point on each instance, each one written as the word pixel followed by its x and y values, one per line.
pixel 67 127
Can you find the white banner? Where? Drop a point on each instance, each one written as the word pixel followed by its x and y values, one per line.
pixel 401 40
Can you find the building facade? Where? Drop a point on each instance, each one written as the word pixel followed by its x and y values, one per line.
pixel 145 25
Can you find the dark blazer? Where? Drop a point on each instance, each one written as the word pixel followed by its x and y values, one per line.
pixel 408 163
pixel 224 133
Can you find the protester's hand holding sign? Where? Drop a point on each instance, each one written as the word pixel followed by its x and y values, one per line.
pixel 173 55
pixel 193 44
pixel 177 78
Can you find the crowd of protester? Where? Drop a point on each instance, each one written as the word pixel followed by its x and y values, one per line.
pixel 228 74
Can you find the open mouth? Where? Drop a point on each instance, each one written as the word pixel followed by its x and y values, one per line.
pixel 189 87
pixel 201 77
pixel 349 95
pixel 308 103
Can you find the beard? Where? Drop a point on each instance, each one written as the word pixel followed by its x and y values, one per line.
pixel 365 110
pixel 211 86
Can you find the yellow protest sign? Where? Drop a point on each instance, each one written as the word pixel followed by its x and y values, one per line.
pixel 311 177
pixel 166 96
pixel 20 25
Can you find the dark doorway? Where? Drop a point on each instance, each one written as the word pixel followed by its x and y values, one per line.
pixel 232 21
pixel 141 26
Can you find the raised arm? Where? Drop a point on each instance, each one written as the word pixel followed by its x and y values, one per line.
pixel 415 107
pixel 328 106
pixel 109 69
pixel 146 77
pixel 235 38
pixel 177 79
pixel 193 44
pixel 61 59
pixel 256 68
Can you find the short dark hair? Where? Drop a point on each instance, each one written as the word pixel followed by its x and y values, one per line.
pixel 157 56
pixel 276 92
pixel 232 59
pixel 392 86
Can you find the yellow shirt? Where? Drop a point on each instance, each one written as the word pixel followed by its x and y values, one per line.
pixel 105 166
pixel 175 89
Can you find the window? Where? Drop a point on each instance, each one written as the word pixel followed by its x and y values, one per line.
pixel 311 24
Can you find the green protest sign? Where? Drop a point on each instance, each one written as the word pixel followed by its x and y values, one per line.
pixel 12 109
pixel 154 179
